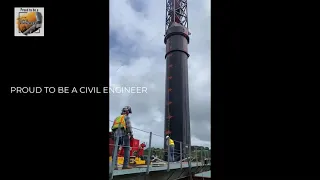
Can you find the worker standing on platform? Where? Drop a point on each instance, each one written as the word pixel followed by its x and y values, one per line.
pixel 124 133
pixel 170 143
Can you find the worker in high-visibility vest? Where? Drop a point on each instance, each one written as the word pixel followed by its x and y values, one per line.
pixel 122 128
pixel 170 143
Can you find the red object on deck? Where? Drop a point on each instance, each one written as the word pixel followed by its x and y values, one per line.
pixel 141 149
pixel 121 153
pixel 134 144
pixel 136 148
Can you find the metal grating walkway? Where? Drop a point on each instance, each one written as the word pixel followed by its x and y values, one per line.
pixel 161 173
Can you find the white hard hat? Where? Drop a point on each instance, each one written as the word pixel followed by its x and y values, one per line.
pixel 167 137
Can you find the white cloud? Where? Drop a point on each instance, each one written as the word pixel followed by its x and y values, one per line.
pixel 137 59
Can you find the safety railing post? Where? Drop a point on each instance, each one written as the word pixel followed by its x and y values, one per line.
pixel 149 153
pixel 181 155
pixel 205 157
pixel 168 154
pixel 201 155
pixel 196 150
pixel 189 157
pixel 115 152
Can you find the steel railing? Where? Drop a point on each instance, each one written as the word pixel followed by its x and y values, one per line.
pixel 156 156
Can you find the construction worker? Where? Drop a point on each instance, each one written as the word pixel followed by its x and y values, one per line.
pixel 124 133
pixel 170 143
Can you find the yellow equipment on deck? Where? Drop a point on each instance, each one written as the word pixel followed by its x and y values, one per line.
pixel 132 161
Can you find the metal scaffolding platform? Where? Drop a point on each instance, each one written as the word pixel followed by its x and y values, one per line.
pixel 175 171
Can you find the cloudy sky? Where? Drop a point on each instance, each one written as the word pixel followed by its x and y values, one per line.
pixel 137 59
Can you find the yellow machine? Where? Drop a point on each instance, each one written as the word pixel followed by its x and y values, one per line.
pixel 132 161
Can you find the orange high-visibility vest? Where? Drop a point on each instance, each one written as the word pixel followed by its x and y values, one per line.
pixel 119 121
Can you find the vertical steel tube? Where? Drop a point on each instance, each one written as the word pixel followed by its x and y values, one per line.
pixel 177 115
